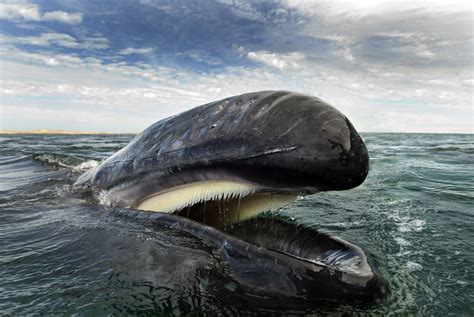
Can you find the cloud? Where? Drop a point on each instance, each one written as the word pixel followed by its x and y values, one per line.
pixel 95 42
pixel 131 50
pixel 31 12
pixel 201 57
pixel 45 39
pixel 157 92
pixel 387 67
pixel 64 17
pixel 288 61
pixel 58 39
pixel 414 33
pixel 50 59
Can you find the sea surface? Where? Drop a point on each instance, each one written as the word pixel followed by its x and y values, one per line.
pixel 61 253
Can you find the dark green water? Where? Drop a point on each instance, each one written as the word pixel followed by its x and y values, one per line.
pixel 62 254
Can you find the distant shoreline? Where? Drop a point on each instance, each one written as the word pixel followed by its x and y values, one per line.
pixel 45 131
pixel 65 132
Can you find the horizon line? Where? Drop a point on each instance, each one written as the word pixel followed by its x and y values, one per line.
pixel 79 132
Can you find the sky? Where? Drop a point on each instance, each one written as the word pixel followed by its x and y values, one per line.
pixel 119 66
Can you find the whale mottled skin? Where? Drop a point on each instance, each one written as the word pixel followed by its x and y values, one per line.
pixel 212 168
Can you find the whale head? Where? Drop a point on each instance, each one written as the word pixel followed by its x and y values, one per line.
pixel 241 155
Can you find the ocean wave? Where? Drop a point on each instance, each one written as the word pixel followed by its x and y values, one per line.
pixel 74 163
pixel 444 148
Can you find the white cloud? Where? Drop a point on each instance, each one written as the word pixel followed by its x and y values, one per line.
pixel 26 11
pixel 374 101
pixel 371 8
pixel 388 67
pixel 288 61
pixel 244 10
pixel 131 50
pixel 411 33
pixel 359 19
pixel 396 121
pixel 201 57
pixel 59 39
pixel 22 10
pixel 61 16
pixel 95 42
pixel 45 39
pixel 9 52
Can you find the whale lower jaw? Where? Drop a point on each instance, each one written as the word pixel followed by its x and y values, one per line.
pixel 217 203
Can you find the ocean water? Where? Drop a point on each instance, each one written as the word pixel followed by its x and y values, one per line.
pixel 61 253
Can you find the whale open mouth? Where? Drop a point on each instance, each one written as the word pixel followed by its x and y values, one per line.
pixel 217 203
pixel 235 209
pixel 230 206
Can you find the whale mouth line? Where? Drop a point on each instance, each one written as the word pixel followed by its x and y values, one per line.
pixel 217 203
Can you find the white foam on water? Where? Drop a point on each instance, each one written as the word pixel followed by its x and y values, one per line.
pixel 104 198
pixel 404 245
pixel 85 166
pixel 413 266
pixel 402 242
pixel 349 224
pixel 416 225
pixel 51 160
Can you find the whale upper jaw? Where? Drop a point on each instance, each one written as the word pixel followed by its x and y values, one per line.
pixel 213 197
pixel 277 136
pixel 219 203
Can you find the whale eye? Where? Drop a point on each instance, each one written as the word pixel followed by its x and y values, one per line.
pixel 217 203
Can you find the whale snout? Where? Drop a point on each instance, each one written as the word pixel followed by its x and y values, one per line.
pixel 316 147
pixel 349 166
pixel 338 159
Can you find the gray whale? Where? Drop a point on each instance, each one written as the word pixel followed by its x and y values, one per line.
pixel 213 169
